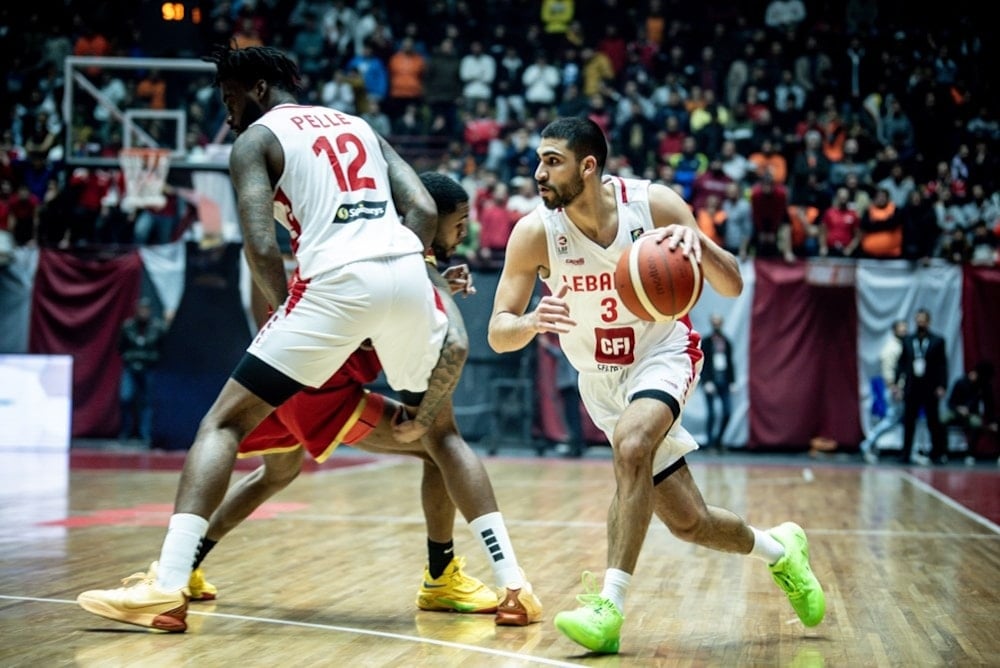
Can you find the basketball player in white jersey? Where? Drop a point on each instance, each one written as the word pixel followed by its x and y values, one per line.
pixel 635 376
pixel 340 190
pixel 316 421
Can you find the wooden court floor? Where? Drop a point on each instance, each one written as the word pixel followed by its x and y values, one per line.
pixel 326 574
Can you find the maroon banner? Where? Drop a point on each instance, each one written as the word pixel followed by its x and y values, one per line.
pixel 981 335
pixel 803 375
pixel 79 303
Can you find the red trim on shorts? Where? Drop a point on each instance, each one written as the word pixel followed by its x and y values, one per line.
pixel 694 351
pixel 438 301
pixel 277 450
pixel 296 288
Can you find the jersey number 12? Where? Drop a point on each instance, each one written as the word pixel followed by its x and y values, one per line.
pixel 346 145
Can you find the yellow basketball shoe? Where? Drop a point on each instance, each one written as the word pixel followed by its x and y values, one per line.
pixel 201 589
pixel 139 601
pixel 519 607
pixel 454 591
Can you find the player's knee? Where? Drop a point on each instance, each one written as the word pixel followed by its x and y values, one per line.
pixel 443 439
pixel 221 431
pixel 633 457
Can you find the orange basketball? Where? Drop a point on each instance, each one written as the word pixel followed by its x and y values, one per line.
pixel 656 283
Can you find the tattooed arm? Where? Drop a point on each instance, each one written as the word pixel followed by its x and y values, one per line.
pixel 444 377
pixel 255 163
pixel 411 198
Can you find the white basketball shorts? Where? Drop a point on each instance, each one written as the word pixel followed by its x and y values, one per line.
pixel 671 367
pixel 388 300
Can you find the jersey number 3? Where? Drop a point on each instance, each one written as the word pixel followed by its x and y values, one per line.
pixel 348 145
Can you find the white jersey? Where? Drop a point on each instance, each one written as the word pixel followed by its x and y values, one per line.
pixel 620 339
pixel 334 196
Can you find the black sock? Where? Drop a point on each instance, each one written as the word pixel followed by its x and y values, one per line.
pixel 204 548
pixel 439 555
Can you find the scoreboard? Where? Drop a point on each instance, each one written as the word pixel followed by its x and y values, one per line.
pixel 173 28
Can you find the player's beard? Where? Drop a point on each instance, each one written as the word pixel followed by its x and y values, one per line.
pixel 563 196
pixel 441 254
pixel 251 112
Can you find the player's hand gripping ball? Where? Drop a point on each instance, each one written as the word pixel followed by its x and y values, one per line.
pixel 655 283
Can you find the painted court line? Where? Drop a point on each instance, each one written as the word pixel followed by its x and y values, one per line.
pixel 950 502
pixel 342 629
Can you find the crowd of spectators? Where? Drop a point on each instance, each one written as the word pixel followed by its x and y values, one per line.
pixel 793 128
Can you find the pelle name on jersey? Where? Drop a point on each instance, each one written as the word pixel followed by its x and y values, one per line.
pixel 313 121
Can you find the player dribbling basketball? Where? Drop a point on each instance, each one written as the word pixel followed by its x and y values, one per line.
pixel 635 376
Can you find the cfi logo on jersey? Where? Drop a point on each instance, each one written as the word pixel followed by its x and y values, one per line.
pixel 562 244
pixel 636 233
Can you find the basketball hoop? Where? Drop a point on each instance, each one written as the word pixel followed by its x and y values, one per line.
pixel 145 171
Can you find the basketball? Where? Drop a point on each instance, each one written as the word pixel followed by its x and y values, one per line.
pixel 655 283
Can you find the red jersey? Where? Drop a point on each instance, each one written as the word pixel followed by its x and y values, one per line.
pixel 841 226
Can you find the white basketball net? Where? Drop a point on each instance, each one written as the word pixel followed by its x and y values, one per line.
pixel 145 171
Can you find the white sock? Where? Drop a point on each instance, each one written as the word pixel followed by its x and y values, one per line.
pixel 180 547
pixel 491 532
pixel 615 588
pixel 765 547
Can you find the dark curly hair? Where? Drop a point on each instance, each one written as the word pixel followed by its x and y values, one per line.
pixel 446 192
pixel 250 65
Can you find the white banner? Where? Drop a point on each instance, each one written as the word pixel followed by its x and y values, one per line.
pixel 889 290
pixel 36 402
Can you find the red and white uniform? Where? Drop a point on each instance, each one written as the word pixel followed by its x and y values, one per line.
pixel 616 353
pixel 320 419
pixel 360 273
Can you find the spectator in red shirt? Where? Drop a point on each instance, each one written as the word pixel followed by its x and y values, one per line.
pixel 671 138
pixel 480 129
pixel 6 192
pixel 769 212
pixel 614 46
pixel 599 113
pixel 497 222
pixel 713 181
pixel 23 212
pixel 840 228
pixel 91 186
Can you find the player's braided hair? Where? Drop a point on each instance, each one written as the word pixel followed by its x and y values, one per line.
pixel 250 65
